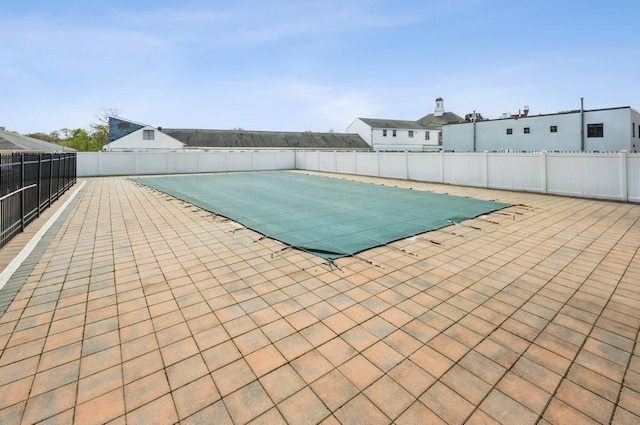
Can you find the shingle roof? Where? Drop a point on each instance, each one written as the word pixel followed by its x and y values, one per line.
pixel 384 123
pixel 265 139
pixel 434 122
pixel 17 142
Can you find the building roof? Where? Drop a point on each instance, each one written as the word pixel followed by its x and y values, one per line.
pixel 17 142
pixel 119 127
pixel 523 117
pixel 384 123
pixel 434 122
pixel 265 139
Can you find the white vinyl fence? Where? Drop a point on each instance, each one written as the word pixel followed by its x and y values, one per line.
pixel 614 176
pixel 181 162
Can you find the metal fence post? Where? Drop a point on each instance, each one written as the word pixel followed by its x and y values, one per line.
pixel 39 181
pixel 22 192
pixel 50 176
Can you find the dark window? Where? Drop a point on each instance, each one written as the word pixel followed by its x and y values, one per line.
pixel 633 128
pixel 123 125
pixel 509 130
pixel 527 130
pixel 426 135
pixel 147 135
pixel 410 133
pixel 394 133
pixel 384 133
pixel 595 130
pixel 553 129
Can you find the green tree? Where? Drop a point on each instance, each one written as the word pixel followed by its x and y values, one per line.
pixel 41 136
pixel 77 139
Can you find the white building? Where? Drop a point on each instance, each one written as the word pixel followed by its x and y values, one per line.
pixel 125 135
pixel 146 139
pixel 595 130
pixel 395 135
pixel 401 135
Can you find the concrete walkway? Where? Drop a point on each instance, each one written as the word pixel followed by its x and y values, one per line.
pixel 137 308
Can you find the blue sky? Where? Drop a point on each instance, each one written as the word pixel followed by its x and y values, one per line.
pixel 309 64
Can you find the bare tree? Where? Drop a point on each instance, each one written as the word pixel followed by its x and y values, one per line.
pixel 100 128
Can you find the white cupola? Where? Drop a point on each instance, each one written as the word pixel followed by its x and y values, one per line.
pixel 439 109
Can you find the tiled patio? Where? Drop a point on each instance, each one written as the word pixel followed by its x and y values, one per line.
pixel 137 308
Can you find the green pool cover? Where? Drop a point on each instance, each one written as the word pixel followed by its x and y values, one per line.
pixel 329 217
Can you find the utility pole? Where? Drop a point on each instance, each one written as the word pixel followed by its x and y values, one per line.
pixel 474 130
pixel 582 124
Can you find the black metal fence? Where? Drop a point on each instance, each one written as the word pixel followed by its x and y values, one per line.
pixel 29 183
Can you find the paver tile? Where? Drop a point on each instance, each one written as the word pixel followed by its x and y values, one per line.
pixel 360 371
pixel 281 383
pixel 215 413
pixel 466 384
pixel 389 397
pixel 233 376
pixel 160 411
pixel 361 410
pixel 304 407
pixel 101 409
pixel 247 403
pixel 334 389
pixel 265 360
pixel 447 404
pixel 195 396
pixel 145 389
pixel 99 384
pixel 506 410
pixel 153 302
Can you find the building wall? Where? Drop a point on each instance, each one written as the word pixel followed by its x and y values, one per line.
pixel 402 141
pixel 377 139
pixel 362 129
pixel 492 135
pixel 135 141
pixel 635 133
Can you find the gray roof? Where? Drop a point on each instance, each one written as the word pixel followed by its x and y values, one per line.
pixel 265 139
pixel 17 142
pixel 383 123
pixel 433 122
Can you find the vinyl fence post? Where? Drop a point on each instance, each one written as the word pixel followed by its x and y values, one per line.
pixel 624 189
pixel 485 167
pixel 543 171
pixel 355 163
pixel 406 164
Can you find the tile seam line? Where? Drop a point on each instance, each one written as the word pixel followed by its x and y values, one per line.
pixel 13 266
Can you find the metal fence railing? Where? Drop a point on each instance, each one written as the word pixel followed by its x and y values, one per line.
pixel 29 183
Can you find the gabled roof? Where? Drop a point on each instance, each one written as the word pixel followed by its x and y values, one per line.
pixel 119 127
pixel 265 139
pixel 436 122
pixel 17 142
pixel 383 123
